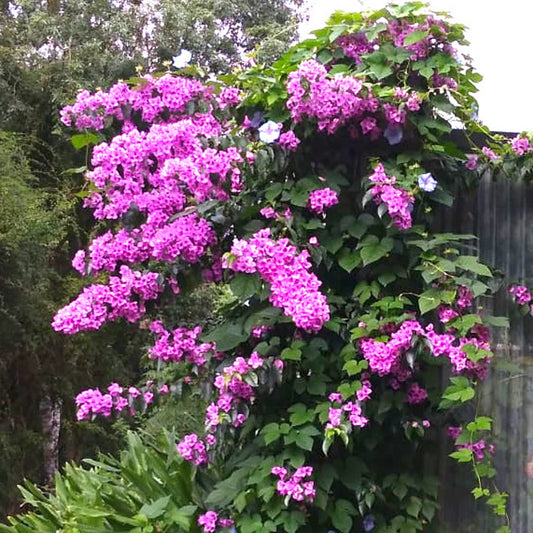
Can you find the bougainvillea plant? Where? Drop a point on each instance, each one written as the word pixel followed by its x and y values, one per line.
pixel 309 189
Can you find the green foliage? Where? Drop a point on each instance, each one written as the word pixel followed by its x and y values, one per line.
pixel 376 276
pixel 147 489
pixel 48 52
pixel 51 50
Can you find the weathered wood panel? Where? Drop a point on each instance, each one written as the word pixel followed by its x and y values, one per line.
pixel 501 214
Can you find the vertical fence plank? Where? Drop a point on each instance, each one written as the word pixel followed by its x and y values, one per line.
pixel 501 214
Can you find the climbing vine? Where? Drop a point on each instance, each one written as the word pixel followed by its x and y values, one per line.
pixel 309 189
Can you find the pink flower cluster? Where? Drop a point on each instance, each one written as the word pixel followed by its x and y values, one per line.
pixel 489 153
pixel 232 390
pixel 193 449
pixel 122 297
pixel 443 82
pixel 478 448
pixel 186 238
pixel 156 169
pixel 336 101
pixel 446 313
pixel 464 299
pixel 386 358
pixel 270 213
pixel 412 101
pixel 150 178
pixel 520 145
pixel 260 331
pixel 354 45
pixel 352 410
pixel 294 487
pixel 210 521
pixel 333 102
pixel 435 41
pixel 229 96
pixel 343 100
pixel 289 141
pixel 92 402
pixel 448 345
pixel 471 162
pixel 383 357
pixel 179 345
pixel 322 199
pixel 416 394
pixel 154 97
pixel 521 294
pixel 398 201
pixel 292 286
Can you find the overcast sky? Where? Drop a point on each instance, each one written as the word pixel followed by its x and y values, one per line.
pixel 501 37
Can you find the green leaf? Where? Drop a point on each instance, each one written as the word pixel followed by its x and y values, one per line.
pixel 358 333
pixel 428 509
pixel 182 516
pixel 415 37
pixel 341 516
pixel 291 354
pixel 339 68
pixel 380 71
pixel 336 32
pixel 301 439
pixel 386 278
pixel 316 385
pixel 273 191
pixel 271 432
pixel 475 354
pixel 244 286
pixel 442 197
pixel 414 507
pixel 497 321
pixel 374 30
pixel 324 56
pixel 480 423
pixel 429 300
pixel 471 263
pixel 292 522
pixel 332 243
pixel 155 509
pixel 352 368
pixel 78 170
pixel 399 490
pixel 374 251
pixel 459 391
pixel 226 490
pixel 377 63
pixel 227 336
pixel 464 455
pixel 349 259
pixel 81 140
pixel 301 415
pixel 347 390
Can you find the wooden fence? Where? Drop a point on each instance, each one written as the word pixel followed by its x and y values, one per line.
pixel 500 213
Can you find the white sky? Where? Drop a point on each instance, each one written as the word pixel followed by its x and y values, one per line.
pixel 501 45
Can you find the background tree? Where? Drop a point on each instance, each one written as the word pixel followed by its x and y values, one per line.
pixel 49 50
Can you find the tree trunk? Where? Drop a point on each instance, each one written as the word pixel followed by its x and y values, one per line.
pixel 50 410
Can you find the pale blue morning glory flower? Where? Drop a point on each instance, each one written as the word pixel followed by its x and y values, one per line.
pixel 368 523
pixel 182 60
pixel 393 133
pixel 269 132
pixel 427 182
pixel 257 118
